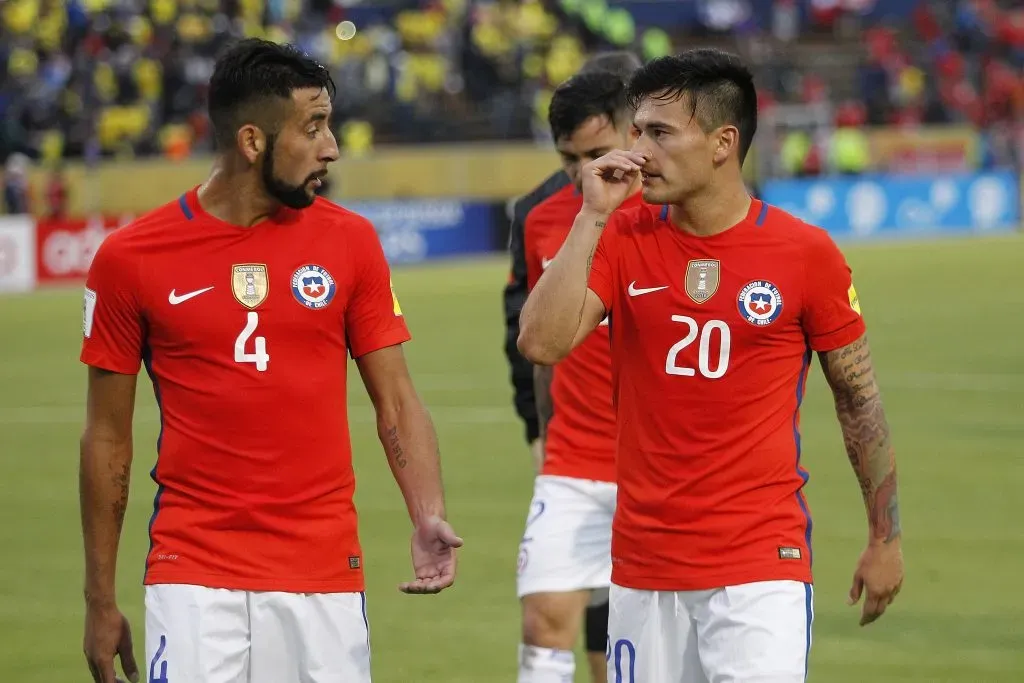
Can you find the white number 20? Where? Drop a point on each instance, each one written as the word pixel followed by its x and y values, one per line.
pixel 259 355
pixel 703 348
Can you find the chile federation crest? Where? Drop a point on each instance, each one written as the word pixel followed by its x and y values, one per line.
pixel 313 286
pixel 760 302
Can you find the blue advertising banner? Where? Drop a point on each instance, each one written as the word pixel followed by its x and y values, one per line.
pixel 414 231
pixel 885 206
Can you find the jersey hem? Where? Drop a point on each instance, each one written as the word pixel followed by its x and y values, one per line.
pixel 710 582
pixel 258 584
pixel 839 338
pixel 381 343
pixel 103 363
pixel 584 473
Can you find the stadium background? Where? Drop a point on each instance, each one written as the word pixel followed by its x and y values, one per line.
pixel 898 125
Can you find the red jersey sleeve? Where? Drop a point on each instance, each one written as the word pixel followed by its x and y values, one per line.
pixel 831 316
pixel 373 318
pixel 112 320
pixel 602 269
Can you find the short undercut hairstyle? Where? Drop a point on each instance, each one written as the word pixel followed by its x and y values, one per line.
pixel 716 86
pixel 251 82
pixel 599 93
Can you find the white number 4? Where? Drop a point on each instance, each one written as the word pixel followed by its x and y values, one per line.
pixel 703 348
pixel 259 356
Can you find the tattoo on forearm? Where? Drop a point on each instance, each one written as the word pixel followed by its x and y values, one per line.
pixel 865 434
pixel 121 478
pixel 542 378
pixel 395 445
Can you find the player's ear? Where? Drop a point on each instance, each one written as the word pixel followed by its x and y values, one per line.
pixel 726 142
pixel 251 142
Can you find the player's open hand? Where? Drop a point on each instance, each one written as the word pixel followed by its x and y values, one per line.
pixel 107 634
pixel 607 180
pixel 433 557
pixel 879 576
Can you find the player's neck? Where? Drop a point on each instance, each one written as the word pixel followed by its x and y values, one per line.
pixel 235 197
pixel 716 209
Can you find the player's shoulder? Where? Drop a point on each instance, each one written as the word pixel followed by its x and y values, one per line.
pixel 143 232
pixel 342 221
pixel 524 205
pixel 555 207
pixel 791 228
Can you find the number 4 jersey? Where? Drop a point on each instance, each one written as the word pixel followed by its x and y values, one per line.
pixel 245 334
pixel 712 340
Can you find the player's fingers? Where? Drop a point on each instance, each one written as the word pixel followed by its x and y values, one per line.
pixel 94 671
pixel 855 590
pixel 126 652
pixel 616 161
pixel 448 536
pixel 628 155
pixel 103 672
pixel 416 588
pixel 874 606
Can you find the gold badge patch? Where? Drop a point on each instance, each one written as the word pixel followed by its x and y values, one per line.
pixel 250 283
pixel 854 299
pixel 702 279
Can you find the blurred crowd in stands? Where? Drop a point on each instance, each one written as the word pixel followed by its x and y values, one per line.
pixel 89 79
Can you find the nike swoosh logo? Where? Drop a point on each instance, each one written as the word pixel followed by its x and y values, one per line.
pixel 635 291
pixel 177 299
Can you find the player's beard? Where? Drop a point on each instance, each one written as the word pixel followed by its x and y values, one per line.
pixel 292 196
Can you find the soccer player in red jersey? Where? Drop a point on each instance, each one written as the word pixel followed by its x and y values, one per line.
pixel 717 304
pixel 565 553
pixel 244 299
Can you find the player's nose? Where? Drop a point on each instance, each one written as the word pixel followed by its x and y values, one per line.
pixel 330 151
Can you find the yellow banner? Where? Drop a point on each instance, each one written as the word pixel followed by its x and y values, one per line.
pixel 482 172
pixel 473 172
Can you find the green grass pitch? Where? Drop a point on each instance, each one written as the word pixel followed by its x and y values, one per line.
pixel 946 320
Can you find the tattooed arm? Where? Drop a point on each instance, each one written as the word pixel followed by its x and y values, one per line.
pixel 879 573
pixel 104 476
pixel 850 374
pixel 406 432
pixel 408 437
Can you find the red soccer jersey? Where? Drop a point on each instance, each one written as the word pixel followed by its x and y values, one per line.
pixel 245 333
pixel 712 340
pixel 580 439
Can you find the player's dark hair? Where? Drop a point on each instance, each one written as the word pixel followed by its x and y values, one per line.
pixel 716 85
pixel 622 63
pixel 599 93
pixel 250 81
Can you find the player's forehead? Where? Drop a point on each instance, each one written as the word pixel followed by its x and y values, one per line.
pixel 657 109
pixel 310 103
pixel 596 131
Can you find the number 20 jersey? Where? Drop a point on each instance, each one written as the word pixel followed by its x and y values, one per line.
pixel 712 341
pixel 246 333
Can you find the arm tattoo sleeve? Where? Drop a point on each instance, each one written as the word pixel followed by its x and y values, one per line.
pixel 866 435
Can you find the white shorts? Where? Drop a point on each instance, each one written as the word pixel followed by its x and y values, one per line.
pixel 751 633
pixel 207 635
pixel 567 545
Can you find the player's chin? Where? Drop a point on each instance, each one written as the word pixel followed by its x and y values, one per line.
pixel 653 194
